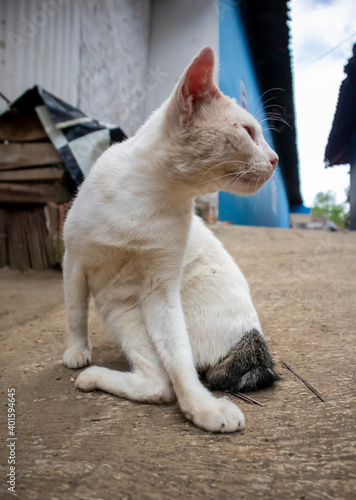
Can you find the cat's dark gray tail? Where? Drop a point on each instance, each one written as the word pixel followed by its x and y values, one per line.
pixel 248 367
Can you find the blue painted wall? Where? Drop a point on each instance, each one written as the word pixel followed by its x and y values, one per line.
pixel 269 207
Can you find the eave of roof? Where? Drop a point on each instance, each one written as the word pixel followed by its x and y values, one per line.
pixel 268 30
pixel 344 124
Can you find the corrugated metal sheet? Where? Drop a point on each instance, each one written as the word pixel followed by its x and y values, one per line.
pixel 91 53
pixel 40 44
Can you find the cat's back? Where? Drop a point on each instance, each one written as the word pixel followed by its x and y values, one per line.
pixel 206 257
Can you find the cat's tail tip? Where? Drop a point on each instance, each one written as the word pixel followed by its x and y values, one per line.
pixel 248 367
pixel 258 377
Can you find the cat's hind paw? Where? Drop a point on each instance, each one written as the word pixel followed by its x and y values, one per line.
pixel 220 415
pixel 77 357
pixel 87 380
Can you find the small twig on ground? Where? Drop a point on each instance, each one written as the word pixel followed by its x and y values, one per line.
pixel 310 387
pixel 246 398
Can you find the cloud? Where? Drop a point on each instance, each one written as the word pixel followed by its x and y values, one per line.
pixel 319 26
pixel 316 3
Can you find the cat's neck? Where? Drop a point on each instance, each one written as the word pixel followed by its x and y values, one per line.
pixel 156 152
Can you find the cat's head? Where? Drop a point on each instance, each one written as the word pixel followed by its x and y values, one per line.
pixel 221 145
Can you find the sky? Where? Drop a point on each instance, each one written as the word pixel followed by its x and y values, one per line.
pixel 318 27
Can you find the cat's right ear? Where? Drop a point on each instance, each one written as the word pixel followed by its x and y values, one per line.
pixel 196 86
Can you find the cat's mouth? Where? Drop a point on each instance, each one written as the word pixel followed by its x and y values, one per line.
pixel 252 179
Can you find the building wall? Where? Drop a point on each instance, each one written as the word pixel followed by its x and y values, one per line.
pixel 237 78
pixel 179 29
pixel 113 60
pixel 90 53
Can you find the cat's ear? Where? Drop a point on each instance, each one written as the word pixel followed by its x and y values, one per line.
pixel 196 85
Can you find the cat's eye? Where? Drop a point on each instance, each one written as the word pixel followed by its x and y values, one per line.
pixel 249 130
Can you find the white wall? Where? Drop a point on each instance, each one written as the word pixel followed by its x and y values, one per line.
pixel 91 53
pixel 113 60
pixel 179 29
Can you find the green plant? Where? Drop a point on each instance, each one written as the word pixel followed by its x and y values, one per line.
pixel 325 206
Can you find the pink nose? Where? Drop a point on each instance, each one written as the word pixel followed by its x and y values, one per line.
pixel 274 161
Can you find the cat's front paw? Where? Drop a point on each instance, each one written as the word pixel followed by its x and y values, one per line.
pixel 77 357
pixel 87 380
pixel 219 415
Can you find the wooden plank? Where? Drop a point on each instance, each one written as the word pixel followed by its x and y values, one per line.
pixel 63 210
pixel 32 174
pixel 21 128
pixel 55 217
pixel 43 238
pixel 11 232
pixel 25 256
pixel 3 240
pixel 55 251
pixel 17 241
pixel 15 155
pixel 33 193
pixel 51 215
pixel 37 239
pixel 32 240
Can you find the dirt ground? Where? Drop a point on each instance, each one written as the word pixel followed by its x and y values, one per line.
pixel 74 445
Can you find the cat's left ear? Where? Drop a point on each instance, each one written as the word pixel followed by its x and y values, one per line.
pixel 196 85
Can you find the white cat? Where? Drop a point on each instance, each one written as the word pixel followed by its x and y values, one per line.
pixel 169 293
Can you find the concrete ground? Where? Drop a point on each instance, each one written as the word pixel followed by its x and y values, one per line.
pixel 74 445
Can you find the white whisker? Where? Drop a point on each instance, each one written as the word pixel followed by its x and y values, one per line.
pixel 266 92
pixel 227 175
pixel 264 113
pixel 225 163
pixel 277 119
